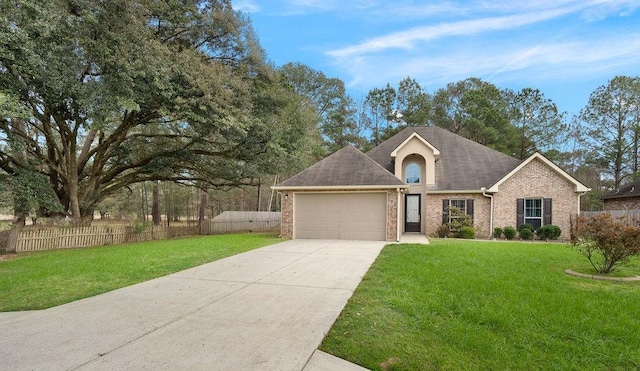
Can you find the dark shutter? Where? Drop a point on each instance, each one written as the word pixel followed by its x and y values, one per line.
pixel 470 208
pixel 519 212
pixel 445 211
pixel 547 212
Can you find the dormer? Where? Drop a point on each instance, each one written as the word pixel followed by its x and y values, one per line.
pixel 415 161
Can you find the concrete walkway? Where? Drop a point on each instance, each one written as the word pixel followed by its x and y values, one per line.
pixel 414 238
pixel 267 309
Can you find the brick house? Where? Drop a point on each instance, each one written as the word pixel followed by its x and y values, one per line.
pixel 408 183
pixel 626 197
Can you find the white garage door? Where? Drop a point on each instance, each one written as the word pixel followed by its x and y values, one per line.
pixel 342 216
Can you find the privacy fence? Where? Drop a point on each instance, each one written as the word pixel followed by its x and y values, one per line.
pixel 244 221
pixel 631 217
pixel 35 239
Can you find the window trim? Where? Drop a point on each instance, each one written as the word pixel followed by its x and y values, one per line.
pixel 535 209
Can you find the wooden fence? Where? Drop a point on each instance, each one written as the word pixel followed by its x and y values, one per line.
pixel 31 239
pixel 631 217
pixel 231 226
pixel 64 238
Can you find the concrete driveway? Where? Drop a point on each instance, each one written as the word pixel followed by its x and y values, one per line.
pixel 267 309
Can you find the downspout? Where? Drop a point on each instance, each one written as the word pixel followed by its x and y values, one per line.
pixel 484 193
pixel 398 216
pixel 579 202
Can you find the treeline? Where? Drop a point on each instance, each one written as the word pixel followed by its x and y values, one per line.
pixel 101 101
pixel 600 145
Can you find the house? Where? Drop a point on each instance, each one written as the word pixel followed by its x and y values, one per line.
pixel 407 184
pixel 626 197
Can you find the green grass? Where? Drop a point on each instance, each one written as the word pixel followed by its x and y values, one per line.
pixel 44 279
pixel 474 305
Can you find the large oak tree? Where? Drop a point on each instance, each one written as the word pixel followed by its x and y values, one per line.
pixel 122 92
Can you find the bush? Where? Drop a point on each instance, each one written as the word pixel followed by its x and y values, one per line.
pixel 526 234
pixel 525 226
pixel 443 231
pixel 497 232
pixel 549 232
pixel 467 232
pixel 509 233
pixel 605 242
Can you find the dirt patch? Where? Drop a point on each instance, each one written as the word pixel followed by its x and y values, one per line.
pixel 389 363
pixel 4 256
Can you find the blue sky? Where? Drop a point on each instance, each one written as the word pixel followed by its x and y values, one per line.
pixel 564 48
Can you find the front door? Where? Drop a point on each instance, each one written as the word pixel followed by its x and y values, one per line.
pixel 412 213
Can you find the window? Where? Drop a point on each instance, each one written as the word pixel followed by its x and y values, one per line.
pixel 464 209
pixel 533 211
pixel 413 173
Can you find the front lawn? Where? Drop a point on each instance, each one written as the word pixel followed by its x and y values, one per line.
pixel 487 306
pixel 44 279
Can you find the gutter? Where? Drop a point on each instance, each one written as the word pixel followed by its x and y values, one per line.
pixel 338 188
pixel 580 196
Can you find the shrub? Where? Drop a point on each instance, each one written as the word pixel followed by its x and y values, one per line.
pixel 467 232
pixel 555 232
pixel 459 220
pixel 526 234
pixel 605 242
pixel 509 233
pixel 525 226
pixel 549 232
pixel 497 232
pixel 443 231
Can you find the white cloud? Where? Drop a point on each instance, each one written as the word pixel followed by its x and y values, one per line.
pixel 248 6
pixel 408 39
pixel 505 63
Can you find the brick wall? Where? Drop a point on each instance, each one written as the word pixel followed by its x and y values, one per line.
pixel 536 180
pixel 286 226
pixel 392 215
pixel 481 212
pixel 628 203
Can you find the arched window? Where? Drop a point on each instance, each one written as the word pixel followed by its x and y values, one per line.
pixel 413 173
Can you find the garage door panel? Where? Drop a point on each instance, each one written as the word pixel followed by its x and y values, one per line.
pixel 348 216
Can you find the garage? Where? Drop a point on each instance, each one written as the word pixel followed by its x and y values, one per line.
pixel 343 216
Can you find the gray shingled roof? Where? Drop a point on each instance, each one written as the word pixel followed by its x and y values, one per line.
pixel 628 190
pixel 346 167
pixel 463 164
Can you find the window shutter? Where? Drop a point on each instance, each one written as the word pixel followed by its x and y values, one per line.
pixel 547 212
pixel 519 212
pixel 445 211
pixel 470 208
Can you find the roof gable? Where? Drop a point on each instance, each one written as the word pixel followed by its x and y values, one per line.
pixel 579 187
pixel 346 168
pixel 436 152
pixel 463 164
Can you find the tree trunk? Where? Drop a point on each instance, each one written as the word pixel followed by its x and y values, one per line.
pixel 259 195
pixel 155 208
pixel 201 211
pixel 19 211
